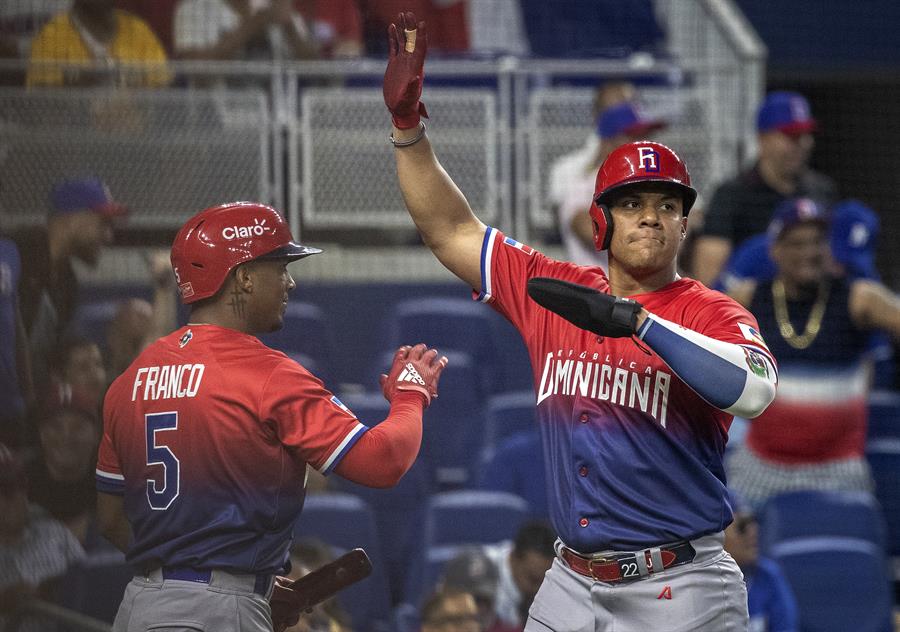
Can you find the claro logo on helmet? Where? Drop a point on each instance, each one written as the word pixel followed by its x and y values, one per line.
pixel 257 229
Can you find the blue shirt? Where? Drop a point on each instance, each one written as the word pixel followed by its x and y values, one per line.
pixel 770 600
pixel 12 405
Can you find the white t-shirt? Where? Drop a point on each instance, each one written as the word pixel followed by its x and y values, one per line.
pixel 570 190
pixel 202 23
pixel 508 598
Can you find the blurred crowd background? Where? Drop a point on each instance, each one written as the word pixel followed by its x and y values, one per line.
pixel 119 119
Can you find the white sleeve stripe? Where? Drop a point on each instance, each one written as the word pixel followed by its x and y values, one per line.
pixel 109 475
pixel 357 430
pixel 487 257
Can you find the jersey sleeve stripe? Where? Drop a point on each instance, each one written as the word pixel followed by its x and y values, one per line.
pixel 109 483
pixel 487 253
pixel 345 445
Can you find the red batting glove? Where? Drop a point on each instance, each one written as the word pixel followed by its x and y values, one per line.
pixel 414 369
pixel 282 602
pixel 405 71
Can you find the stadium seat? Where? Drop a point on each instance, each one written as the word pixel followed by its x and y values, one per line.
pixel 883 455
pixel 455 519
pixel 815 513
pixel 840 583
pixel 516 466
pixel 831 548
pixel 346 522
pixel 371 408
pixel 448 324
pixel 508 414
pixel 96 585
pixel 306 331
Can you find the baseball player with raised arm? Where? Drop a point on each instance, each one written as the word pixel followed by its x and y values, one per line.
pixel 638 373
pixel 208 435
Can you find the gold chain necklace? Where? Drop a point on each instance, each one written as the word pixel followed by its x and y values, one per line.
pixel 813 323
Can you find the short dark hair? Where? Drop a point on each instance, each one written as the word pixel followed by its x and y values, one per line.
pixel 537 536
pixel 431 607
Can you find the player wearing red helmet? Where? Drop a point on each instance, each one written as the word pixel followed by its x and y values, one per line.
pixel 208 435
pixel 634 401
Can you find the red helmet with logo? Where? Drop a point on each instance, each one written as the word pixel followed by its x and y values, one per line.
pixel 641 161
pixel 215 240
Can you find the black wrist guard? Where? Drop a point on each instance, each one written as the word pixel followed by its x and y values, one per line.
pixel 603 314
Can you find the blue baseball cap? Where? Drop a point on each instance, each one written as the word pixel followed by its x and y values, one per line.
pixel 854 233
pixel 786 112
pixel 795 211
pixel 86 194
pixel 750 260
pixel 625 118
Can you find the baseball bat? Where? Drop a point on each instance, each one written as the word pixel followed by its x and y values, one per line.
pixel 410 40
pixel 328 580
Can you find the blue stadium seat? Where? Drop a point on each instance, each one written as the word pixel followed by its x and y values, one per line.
pixel 345 522
pixel 840 583
pixel 508 414
pixel 96 585
pixel 455 519
pixel 883 455
pixel 831 548
pixel 448 324
pixel 517 466
pixel 820 513
pixel 306 331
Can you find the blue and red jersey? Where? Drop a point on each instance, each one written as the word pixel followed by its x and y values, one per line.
pixel 208 435
pixel 633 455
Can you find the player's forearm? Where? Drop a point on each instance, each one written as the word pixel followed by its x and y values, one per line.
pixel 433 200
pixel 733 378
pixel 386 452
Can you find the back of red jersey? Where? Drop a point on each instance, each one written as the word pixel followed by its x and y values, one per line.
pixel 208 435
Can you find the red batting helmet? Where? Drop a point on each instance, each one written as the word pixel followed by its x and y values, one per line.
pixel 214 241
pixel 641 161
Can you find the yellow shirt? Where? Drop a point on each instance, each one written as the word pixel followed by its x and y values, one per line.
pixel 61 40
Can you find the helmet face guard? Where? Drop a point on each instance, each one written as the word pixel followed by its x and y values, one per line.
pixel 214 241
pixel 641 161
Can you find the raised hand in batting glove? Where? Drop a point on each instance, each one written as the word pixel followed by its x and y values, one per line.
pixel 587 308
pixel 415 369
pixel 405 72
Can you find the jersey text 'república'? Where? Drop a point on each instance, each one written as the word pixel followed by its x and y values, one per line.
pixel 633 455
pixel 208 435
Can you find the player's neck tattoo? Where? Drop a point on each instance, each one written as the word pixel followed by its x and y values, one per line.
pixel 237 303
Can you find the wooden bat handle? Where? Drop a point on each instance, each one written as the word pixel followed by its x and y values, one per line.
pixel 410 40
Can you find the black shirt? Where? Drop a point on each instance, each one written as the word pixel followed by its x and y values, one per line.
pixel 742 207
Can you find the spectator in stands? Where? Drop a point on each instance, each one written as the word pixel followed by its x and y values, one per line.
pixel 308 555
pixel 158 14
pixel 522 564
pixel 79 225
pixel 241 29
pixel 818 326
pixel 448 30
pixel 34 548
pixel 138 322
pixel 95 31
pixel 61 476
pixel 336 27
pixel 472 571
pixel 743 206
pixel 511 468
pixel 77 361
pixel 617 124
pixel 772 605
pixel 15 358
pixel 450 610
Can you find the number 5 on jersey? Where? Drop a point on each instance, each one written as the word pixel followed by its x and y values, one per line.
pixel 161 497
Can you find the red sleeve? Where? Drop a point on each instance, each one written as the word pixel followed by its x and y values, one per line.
pixel 109 476
pixel 386 452
pixel 506 266
pixel 307 418
pixel 723 318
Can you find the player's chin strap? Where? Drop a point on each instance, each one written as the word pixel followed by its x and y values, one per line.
pixel 738 379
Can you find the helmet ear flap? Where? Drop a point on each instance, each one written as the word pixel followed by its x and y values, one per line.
pixel 601 220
